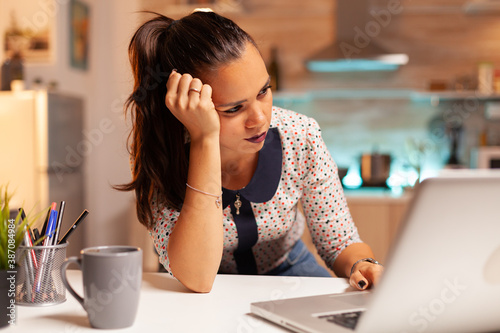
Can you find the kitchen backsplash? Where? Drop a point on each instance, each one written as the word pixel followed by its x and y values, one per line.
pixel 417 134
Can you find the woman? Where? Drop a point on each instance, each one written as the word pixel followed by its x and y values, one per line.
pixel 210 125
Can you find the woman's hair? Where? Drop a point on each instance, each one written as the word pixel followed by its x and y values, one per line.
pixel 197 44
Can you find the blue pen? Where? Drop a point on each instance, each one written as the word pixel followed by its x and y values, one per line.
pixel 51 226
pixel 49 234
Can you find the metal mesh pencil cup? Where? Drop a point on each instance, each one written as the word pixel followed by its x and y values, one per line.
pixel 38 281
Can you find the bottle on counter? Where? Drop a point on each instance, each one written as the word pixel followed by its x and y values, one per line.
pixel 6 76
pixel 12 71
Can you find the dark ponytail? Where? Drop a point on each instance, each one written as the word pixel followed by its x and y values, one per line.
pixel 197 44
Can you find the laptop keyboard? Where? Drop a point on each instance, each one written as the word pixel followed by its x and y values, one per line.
pixel 346 319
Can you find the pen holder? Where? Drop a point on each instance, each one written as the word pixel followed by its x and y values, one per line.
pixel 38 281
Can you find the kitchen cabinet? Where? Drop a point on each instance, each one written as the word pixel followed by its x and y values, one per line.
pixel 378 219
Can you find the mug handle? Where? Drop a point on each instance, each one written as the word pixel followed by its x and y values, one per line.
pixel 64 278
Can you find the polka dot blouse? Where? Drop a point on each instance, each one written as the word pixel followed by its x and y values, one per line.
pixel 294 168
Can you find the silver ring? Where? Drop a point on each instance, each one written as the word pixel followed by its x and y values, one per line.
pixel 195 90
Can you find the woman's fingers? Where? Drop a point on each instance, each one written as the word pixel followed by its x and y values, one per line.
pixel 358 281
pixel 184 84
pixel 194 93
pixel 366 275
pixel 183 91
pixel 190 101
pixel 206 96
pixel 172 87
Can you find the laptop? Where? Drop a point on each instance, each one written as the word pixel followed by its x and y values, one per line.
pixel 442 275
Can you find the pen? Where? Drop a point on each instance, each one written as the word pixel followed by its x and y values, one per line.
pixel 36 234
pixel 49 232
pixel 59 222
pixel 28 240
pixel 29 243
pixel 73 227
pixel 29 278
pixel 31 262
pixel 32 236
pixel 44 226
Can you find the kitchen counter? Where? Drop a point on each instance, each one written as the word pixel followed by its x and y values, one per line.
pixel 167 306
pixel 377 195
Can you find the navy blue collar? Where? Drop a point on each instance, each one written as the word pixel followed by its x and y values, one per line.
pixel 266 178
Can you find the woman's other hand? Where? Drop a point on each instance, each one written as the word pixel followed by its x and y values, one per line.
pixel 365 275
pixel 190 101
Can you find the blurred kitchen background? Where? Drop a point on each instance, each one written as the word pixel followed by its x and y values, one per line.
pixel 415 81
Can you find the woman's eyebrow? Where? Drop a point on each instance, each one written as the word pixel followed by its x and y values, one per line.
pixel 230 104
pixel 243 100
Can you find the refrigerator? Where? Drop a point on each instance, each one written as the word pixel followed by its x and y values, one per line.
pixel 42 151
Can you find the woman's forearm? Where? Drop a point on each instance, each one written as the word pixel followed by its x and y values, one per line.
pixel 195 245
pixel 354 252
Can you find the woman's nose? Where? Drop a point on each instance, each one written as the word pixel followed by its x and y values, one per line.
pixel 256 117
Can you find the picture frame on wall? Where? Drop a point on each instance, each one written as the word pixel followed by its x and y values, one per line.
pixel 27 29
pixel 79 34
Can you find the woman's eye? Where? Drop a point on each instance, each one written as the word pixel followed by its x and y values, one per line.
pixel 264 91
pixel 233 110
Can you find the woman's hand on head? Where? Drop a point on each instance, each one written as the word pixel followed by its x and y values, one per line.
pixel 190 101
pixel 365 275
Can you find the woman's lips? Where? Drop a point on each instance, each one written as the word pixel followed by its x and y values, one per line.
pixel 257 138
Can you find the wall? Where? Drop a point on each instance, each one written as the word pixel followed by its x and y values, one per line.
pixel 104 86
pixel 108 160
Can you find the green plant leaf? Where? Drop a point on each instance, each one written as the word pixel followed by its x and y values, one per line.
pixel 19 226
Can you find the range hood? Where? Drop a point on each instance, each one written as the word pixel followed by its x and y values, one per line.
pixel 355 49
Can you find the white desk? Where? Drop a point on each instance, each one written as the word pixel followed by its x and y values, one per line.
pixel 167 306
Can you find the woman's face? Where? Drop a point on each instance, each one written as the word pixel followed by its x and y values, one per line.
pixel 243 99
